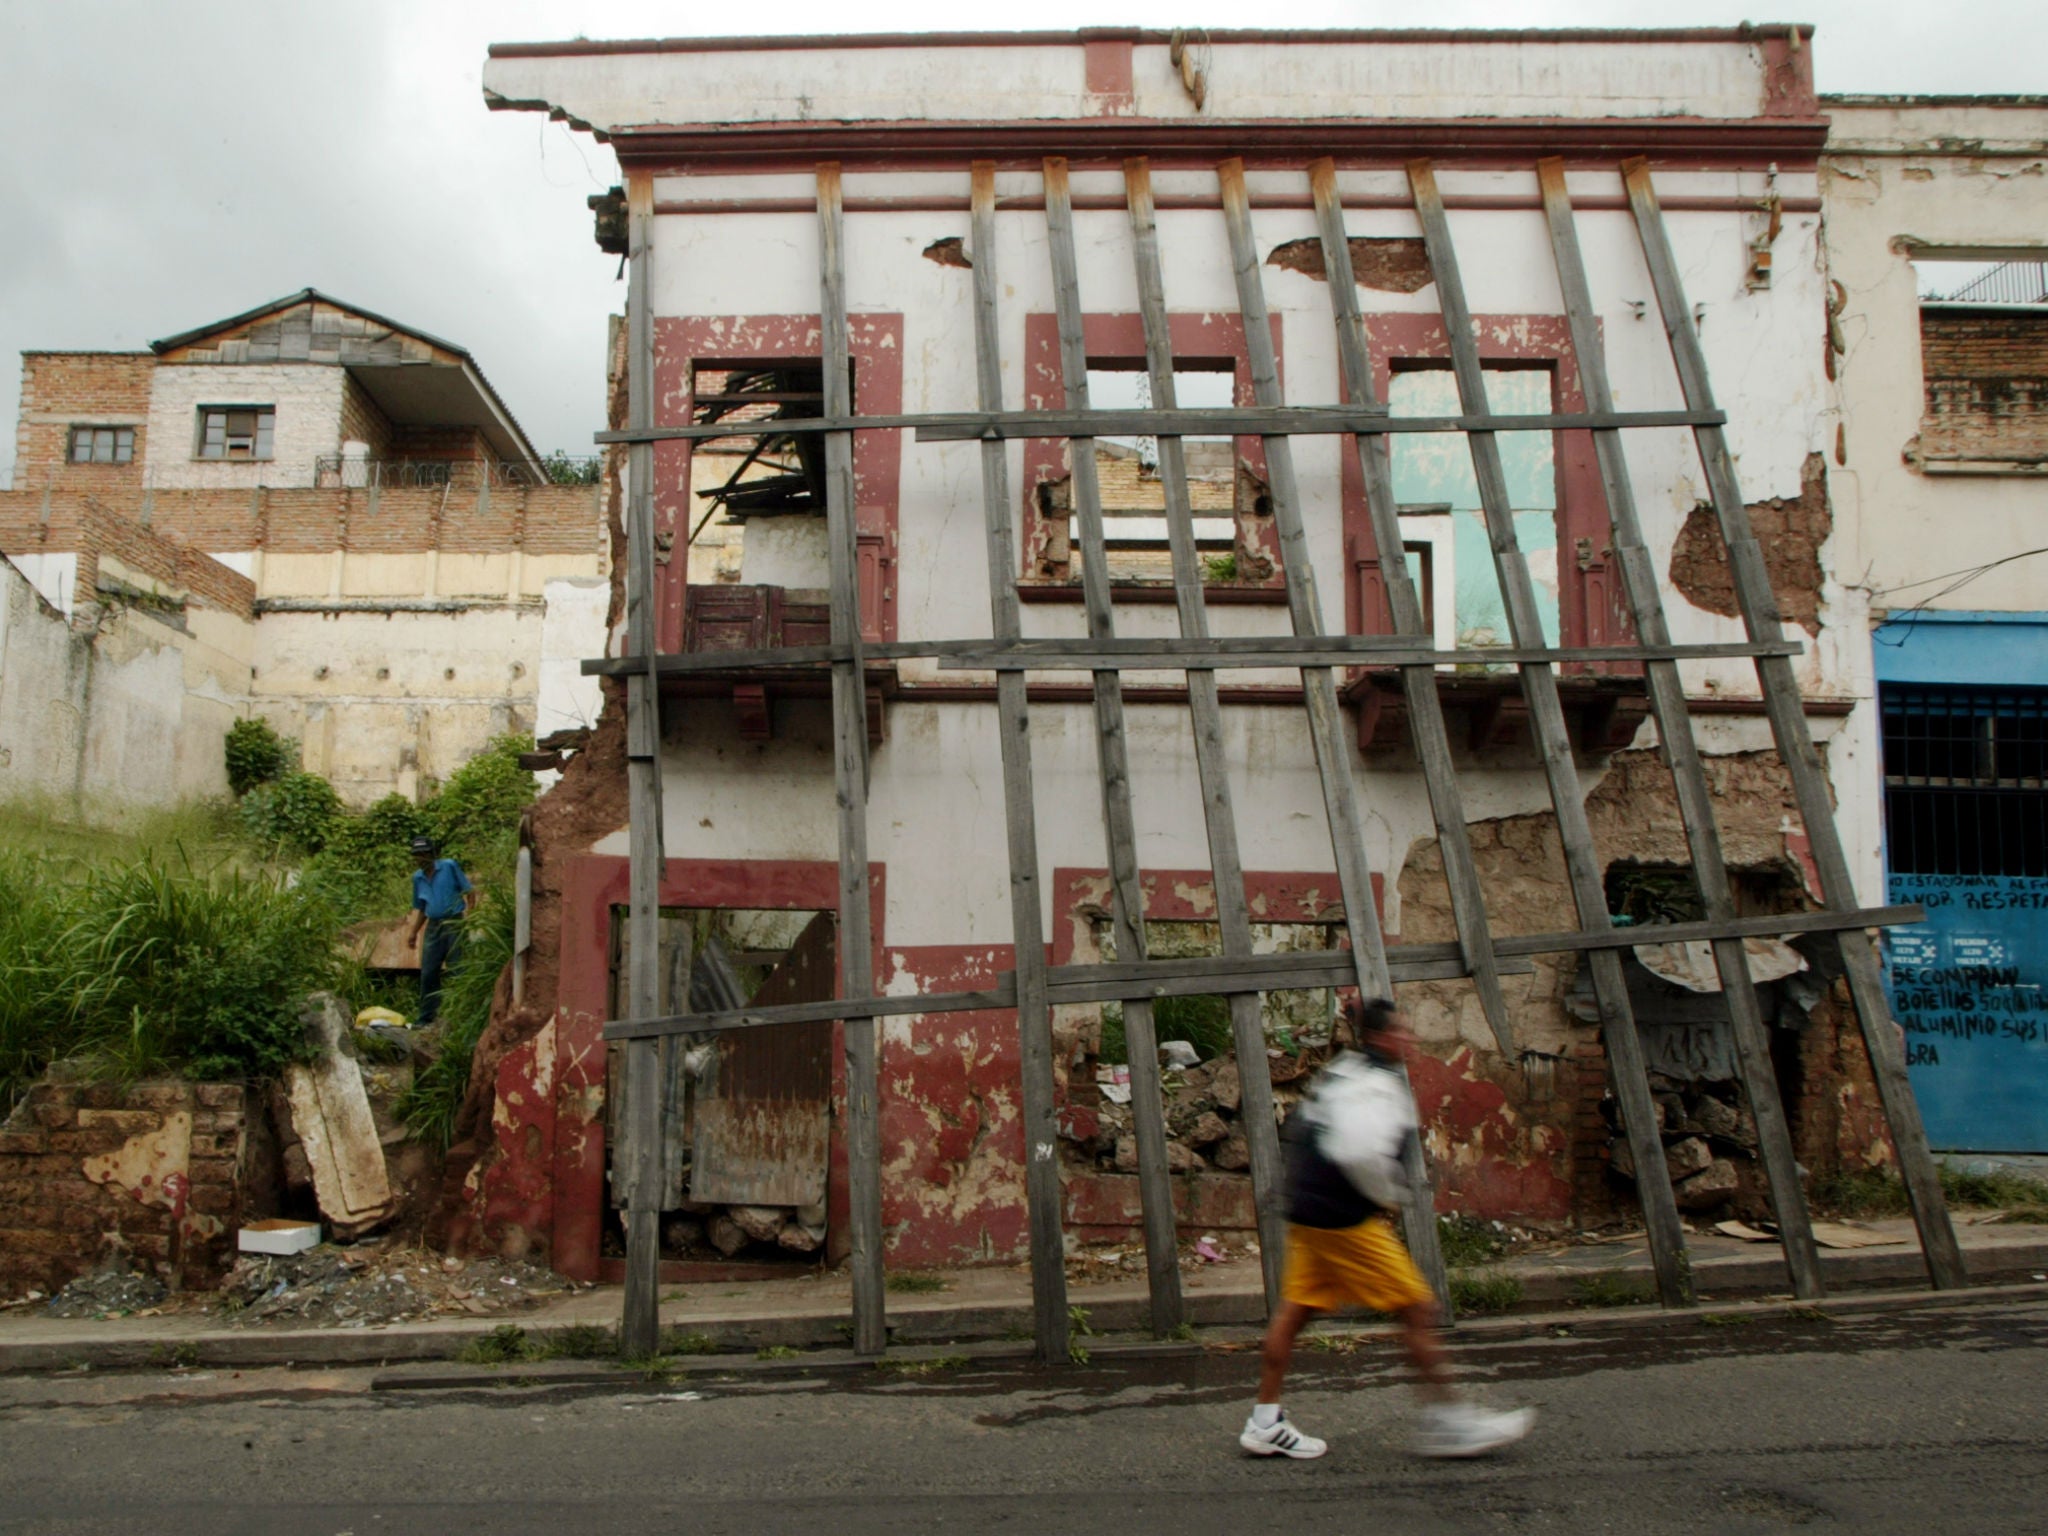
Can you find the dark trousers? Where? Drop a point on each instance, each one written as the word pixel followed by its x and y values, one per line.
pixel 439 949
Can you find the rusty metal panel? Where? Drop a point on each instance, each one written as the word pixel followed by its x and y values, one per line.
pixel 761 1109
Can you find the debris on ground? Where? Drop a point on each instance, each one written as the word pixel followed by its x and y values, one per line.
pixel 110 1293
pixel 361 1287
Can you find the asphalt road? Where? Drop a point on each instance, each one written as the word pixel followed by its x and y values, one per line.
pixel 1930 1420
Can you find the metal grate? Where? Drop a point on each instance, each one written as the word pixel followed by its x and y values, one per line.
pixel 1966 780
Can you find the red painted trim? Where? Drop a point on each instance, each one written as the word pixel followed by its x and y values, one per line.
pixel 1316 37
pixel 1672 142
pixel 1590 608
pixel 876 342
pixel 1788 75
pixel 592 886
pixel 1108 74
pixel 1188 896
pixel 1200 341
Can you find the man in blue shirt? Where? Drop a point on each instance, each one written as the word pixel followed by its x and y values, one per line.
pixel 441 894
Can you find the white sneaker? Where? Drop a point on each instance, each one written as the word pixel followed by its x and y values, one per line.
pixel 1280 1438
pixel 1462 1429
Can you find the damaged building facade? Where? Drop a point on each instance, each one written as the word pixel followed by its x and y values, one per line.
pixel 721 144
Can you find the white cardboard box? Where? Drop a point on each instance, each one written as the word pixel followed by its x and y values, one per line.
pixel 279 1236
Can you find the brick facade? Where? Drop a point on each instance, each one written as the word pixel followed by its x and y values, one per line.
pixel 79 524
pixel 168 1170
pixel 1986 377
pixel 60 390
pixel 540 519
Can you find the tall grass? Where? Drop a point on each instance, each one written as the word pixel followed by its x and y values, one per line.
pixel 431 1104
pixel 152 963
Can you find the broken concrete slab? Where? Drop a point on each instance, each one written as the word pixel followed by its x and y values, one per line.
pixel 330 1112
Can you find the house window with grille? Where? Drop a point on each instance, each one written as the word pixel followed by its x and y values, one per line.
pixel 1966 780
pixel 102 445
pixel 236 431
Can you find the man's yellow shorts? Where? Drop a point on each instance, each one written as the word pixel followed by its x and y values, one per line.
pixel 1332 1270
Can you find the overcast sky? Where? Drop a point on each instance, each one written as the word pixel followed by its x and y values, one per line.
pixel 172 162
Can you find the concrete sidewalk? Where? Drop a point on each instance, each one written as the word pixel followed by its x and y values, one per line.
pixel 813 1310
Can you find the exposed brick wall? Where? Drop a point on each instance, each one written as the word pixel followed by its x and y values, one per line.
pixel 1986 377
pixel 81 525
pixel 542 519
pixel 362 421
pixel 60 390
pixel 167 1169
pixel 459 444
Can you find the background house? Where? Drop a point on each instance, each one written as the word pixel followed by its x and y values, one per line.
pixel 419 574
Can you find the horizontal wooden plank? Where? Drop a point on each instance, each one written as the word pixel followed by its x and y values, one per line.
pixel 1221 421
pixel 1176 653
pixel 1770 927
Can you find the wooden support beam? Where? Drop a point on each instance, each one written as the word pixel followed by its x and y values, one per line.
pixel 1681 752
pixel 1212 770
pixel 1418 683
pixel 1553 742
pixel 1786 712
pixel 1042 1193
pixel 1295 972
pixel 1127 905
pixel 1036 654
pixel 850 782
pixel 640 1321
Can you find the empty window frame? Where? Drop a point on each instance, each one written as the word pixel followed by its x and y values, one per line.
pixel 236 431
pixel 1984 365
pixel 1134 525
pixel 102 445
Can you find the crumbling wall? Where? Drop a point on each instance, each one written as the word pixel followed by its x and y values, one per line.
pixel 1789 529
pixel 160 1172
pixel 1393 264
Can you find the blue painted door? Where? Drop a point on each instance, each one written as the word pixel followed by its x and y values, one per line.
pixel 1966 836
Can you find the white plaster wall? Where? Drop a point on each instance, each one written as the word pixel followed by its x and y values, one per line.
pixel 572 628
pixel 307 397
pixel 379 699
pixel 129 715
pixel 55 577
pixel 1900 177
pixel 1508 76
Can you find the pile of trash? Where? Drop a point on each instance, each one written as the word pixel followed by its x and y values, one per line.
pixel 369 1286
pixel 110 1293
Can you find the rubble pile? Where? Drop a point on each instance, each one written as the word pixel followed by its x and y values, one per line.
pixel 728 1231
pixel 1709 1141
pixel 110 1293
pixel 332 1287
pixel 1203 1103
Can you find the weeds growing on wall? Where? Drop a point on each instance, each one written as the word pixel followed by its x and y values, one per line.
pixel 154 963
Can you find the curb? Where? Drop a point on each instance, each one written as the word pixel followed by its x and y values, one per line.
pixel 2006 1270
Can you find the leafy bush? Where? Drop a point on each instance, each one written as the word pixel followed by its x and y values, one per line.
pixel 256 754
pixel 475 817
pixel 297 813
pixel 1203 1021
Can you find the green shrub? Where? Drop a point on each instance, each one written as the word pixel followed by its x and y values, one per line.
pixel 1203 1021
pixel 296 814
pixel 256 754
pixel 475 817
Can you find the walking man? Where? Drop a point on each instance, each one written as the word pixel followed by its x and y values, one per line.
pixel 1346 1167
pixel 441 893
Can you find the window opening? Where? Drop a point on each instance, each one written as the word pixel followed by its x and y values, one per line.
pixel 236 431
pixel 1966 780
pixel 1439 497
pixel 102 445
pixel 1134 497
pixel 1984 365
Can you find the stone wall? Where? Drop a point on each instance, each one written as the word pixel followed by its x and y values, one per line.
pixel 165 1170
